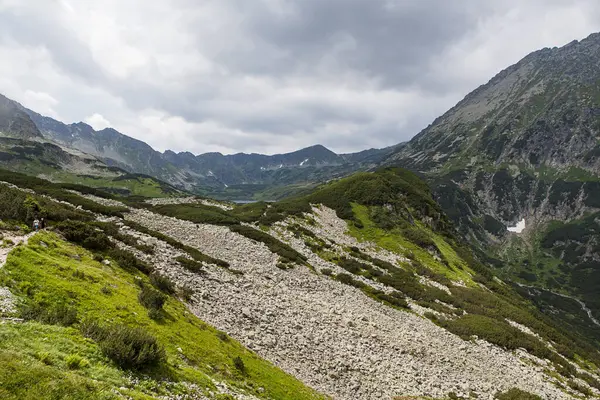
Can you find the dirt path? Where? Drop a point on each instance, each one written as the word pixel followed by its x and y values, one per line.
pixel 7 301
pixel 15 239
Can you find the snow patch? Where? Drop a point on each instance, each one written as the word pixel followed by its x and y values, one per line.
pixel 304 162
pixel 520 227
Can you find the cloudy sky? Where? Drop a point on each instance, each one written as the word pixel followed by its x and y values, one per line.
pixel 268 75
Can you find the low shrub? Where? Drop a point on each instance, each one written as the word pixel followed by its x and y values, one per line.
pixel 275 245
pixel 45 357
pixel 586 391
pixel 78 274
pixel 348 280
pixel 128 261
pixel 517 394
pixel 162 283
pixel 130 348
pixel 52 313
pixel 238 363
pixel 106 290
pixel 198 213
pixel 85 234
pixel 191 265
pixel 393 300
pixel 497 332
pixel 222 336
pixel 75 361
pixel 589 379
pixel 327 271
pixel 352 266
pixel 186 293
pixel 151 298
pixel 418 237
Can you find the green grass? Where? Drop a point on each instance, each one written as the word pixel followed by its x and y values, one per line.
pixel 393 241
pixel 51 275
pixel 134 185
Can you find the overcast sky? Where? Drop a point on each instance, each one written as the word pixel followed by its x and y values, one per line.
pixel 268 76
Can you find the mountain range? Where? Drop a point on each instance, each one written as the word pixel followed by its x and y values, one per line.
pixel 464 263
pixel 209 173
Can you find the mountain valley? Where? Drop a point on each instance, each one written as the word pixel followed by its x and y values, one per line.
pixel 463 264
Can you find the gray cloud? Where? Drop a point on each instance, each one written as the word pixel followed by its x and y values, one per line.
pixel 268 75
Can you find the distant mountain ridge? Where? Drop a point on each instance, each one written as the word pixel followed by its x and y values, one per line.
pixel 200 173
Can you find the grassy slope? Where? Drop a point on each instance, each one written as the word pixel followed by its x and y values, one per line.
pixel 141 186
pixel 393 241
pixel 49 270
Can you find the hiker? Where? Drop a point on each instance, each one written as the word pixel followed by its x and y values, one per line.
pixel 36 224
pixel 42 223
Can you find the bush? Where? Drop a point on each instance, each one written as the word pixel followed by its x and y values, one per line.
pixel 348 280
pixel 78 274
pixel 151 298
pixel 497 332
pixel 586 391
pixel 85 234
pixel 130 348
pixel 393 300
pixel 191 265
pixel 75 361
pixel 162 283
pixel 327 271
pixel 238 363
pixel 275 245
pixel 187 293
pixel 128 261
pixel 418 237
pixel 56 313
pixel 198 213
pixel 45 357
pixel 517 394
pixel 106 290
pixel 352 266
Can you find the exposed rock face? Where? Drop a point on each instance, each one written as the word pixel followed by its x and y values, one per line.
pixel 541 111
pixel 15 122
pixel 332 336
pixel 524 145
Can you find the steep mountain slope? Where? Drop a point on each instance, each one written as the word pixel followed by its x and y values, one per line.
pixel 24 149
pixel 14 122
pixel 384 237
pixel 360 289
pixel 211 173
pixel 82 317
pixel 525 147
pixel 542 111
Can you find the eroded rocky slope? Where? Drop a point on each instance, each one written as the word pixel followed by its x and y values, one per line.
pixel 332 336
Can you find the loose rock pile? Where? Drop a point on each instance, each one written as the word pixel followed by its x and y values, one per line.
pixel 332 336
pixel 188 200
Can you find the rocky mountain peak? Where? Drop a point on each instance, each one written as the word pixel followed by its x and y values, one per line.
pixel 14 122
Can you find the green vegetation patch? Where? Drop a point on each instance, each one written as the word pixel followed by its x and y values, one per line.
pixel 60 192
pixel 517 394
pixel 59 272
